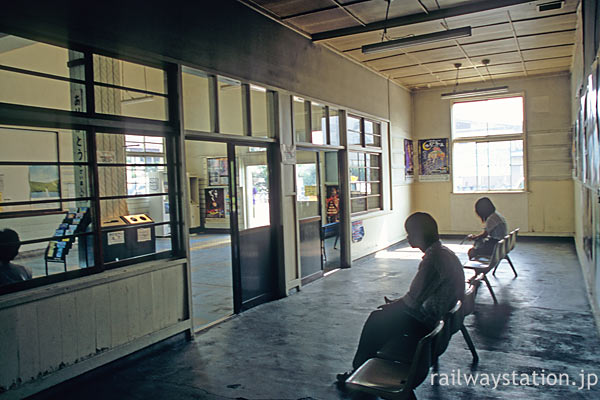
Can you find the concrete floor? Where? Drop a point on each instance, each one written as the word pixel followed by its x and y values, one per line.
pixel 292 348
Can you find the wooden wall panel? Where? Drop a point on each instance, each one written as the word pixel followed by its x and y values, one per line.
pixel 86 323
pixel 102 317
pixel 27 334
pixel 69 331
pixel 8 347
pixel 146 301
pixel 49 334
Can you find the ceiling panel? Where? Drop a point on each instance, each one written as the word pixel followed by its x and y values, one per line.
pixel 373 11
pixel 492 46
pixel 564 62
pixel 545 40
pixel 529 10
pixel 323 21
pixel 284 8
pixel 543 25
pixel 548 52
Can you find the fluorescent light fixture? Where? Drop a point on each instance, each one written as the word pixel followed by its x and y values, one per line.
pixel 475 92
pixel 136 100
pixel 415 40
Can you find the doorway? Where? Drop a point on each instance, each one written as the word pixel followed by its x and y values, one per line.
pixel 231 250
pixel 318 212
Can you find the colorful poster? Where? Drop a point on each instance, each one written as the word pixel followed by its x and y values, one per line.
pixel 43 181
pixel 433 160
pixel 358 231
pixel 333 204
pixel 215 202
pixel 218 173
pixel 409 156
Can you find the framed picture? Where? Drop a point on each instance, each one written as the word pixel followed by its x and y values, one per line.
pixel 433 160
pixel 409 154
pixel 215 202
pixel 218 172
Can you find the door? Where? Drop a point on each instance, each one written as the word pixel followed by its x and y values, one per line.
pixel 255 272
pixel 308 210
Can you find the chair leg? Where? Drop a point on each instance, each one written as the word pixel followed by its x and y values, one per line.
pixel 511 265
pixel 495 268
pixel 485 279
pixel 469 341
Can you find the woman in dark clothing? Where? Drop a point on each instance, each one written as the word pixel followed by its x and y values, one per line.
pixel 495 229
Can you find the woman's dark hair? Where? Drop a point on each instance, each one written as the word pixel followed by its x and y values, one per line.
pixel 484 208
pixel 9 245
pixel 423 223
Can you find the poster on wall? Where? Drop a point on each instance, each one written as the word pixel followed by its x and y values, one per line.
pixel 218 174
pixel 433 160
pixel 43 182
pixel 332 204
pixel 215 202
pixel 358 231
pixel 409 154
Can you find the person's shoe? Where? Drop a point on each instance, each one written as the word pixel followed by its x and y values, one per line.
pixel 341 379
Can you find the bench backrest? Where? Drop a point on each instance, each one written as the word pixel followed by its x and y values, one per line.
pixel 424 357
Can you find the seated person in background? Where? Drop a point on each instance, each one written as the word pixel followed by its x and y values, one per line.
pixel 9 248
pixel 494 231
pixel 435 289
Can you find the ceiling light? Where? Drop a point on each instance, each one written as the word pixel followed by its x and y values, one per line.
pixel 552 5
pixel 415 40
pixel 137 100
pixel 475 92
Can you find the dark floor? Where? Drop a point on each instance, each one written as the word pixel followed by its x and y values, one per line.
pixel 292 348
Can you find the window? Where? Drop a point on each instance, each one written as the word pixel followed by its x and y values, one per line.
pixel 219 104
pixel 315 123
pixel 365 162
pixel 48 177
pixel 488 145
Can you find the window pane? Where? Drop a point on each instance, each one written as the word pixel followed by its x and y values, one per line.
pixel 259 110
pixel 72 253
pixel 334 126
pixel 358 205
pixel 196 100
pixel 488 166
pixel 307 186
pixel 354 138
pixel 319 124
pixel 488 117
pixel 374 202
pixel 130 104
pixel 353 124
pixel 230 106
pixel 33 91
pixel 373 160
pixel 27 54
pixel 464 167
pixel 127 74
pixel 368 127
pixel 298 105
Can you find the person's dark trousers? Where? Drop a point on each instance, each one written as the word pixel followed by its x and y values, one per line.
pixel 383 326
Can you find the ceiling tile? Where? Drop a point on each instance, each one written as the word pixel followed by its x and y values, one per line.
pixel 284 8
pixel 492 46
pixel 548 39
pixel 544 25
pixel 324 21
pixel 548 52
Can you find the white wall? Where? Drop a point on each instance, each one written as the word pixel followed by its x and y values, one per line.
pixel 548 138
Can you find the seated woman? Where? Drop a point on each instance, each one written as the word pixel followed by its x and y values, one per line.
pixel 495 229
pixel 9 248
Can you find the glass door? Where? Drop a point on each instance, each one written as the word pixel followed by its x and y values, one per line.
pixel 209 210
pixel 308 211
pixel 255 275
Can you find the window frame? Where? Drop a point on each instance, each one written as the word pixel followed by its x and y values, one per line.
pixel 91 122
pixel 490 139
pixel 366 150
